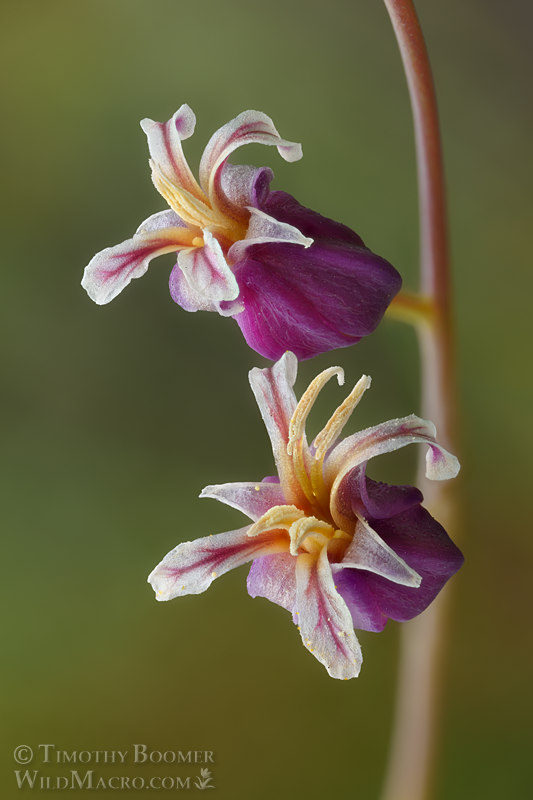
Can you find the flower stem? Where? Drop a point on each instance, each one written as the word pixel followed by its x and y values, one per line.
pixel 412 757
pixel 412 308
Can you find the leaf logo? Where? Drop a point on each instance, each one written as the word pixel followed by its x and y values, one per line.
pixel 204 780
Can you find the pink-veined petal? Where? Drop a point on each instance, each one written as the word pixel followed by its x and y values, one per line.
pixel 207 271
pixel 385 438
pixel 325 623
pixel 190 299
pixel 253 499
pixel 192 567
pixel 164 143
pixel 273 390
pixel 111 270
pixel 368 551
pixel 161 220
pixel 263 229
pixel 248 128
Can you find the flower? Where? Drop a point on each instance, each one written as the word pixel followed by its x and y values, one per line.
pixel 335 548
pixel 291 278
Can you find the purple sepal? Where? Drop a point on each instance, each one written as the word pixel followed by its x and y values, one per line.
pixel 373 500
pixel 285 208
pixel 422 543
pixel 273 577
pixel 311 300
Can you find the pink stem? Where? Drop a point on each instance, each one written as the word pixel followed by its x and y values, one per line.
pixel 414 742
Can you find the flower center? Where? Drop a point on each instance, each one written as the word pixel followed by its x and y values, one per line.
pixel 196 212
pixel 307 534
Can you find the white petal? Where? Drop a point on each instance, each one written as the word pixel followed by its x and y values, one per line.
pixel 248 128
pixel 111 270
pixel 385 438
pixel 273 390
pixel 263 228
pixel 159 221
pixel 164 143
pixel 368 551
pixel 193 566
pixel 207 271
pixel 323 617
pixel 253 499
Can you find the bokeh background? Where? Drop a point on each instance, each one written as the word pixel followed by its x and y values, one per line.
pixel 114 418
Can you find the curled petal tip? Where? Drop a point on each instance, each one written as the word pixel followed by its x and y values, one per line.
pixel 291 152
pixel 157 583
pixel 185 121
pixel 147 123
pixel 441 465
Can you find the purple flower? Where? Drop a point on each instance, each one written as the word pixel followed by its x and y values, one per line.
pixel 335 548
pixel 290 277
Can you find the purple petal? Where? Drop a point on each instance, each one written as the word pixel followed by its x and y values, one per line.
pixel 311 300
pixel 425 546
pixel 242 186
pixel 273 577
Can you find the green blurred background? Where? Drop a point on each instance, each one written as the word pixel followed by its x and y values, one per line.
pixel 115 417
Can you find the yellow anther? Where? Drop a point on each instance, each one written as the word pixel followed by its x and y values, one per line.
pixel 331 431
pixel 194 211
pixel 276 517
pixel 301 412
pixel 311 527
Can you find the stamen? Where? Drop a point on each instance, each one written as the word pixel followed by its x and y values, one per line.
pixel 193 211
pixel 307 401
pixel 276 517
pixel 299 453
pixel 330 433
pixel 189 208
pixel 333 428
pixel 297 446
pixel 300 529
